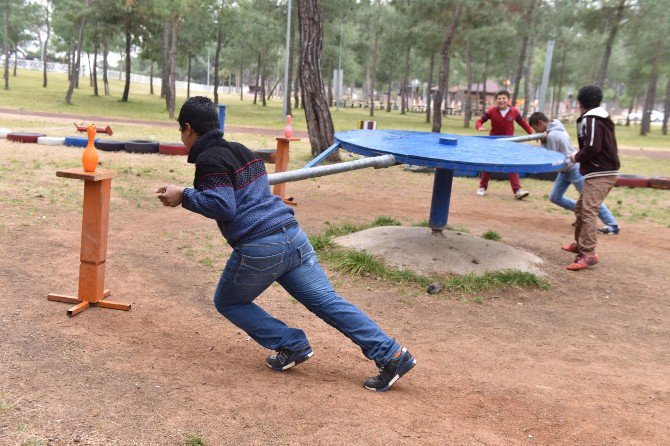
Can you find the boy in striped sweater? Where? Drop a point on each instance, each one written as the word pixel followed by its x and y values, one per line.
pixel 231 187
pixel 599 164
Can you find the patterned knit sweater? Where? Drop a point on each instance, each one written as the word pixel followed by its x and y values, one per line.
pixel 231 186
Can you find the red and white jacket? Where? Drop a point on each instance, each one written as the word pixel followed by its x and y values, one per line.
pixel 503 125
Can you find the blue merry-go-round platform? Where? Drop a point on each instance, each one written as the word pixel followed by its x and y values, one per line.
pixel 448 153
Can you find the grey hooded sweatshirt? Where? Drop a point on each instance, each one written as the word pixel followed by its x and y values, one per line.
pixel 558 140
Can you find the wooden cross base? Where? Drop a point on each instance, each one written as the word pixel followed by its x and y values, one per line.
pixel 81 305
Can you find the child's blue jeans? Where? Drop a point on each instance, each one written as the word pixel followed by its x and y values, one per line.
pixel 563 181
pixel 288 258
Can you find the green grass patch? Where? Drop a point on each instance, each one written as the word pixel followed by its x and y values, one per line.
pixel 194 440
pixel 495 281
pixel 491 235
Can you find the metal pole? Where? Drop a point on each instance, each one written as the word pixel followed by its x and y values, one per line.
pixel 545 75
pixel 313 172
pixel 531 137
pixel 286 67
pixel 209 67
pixel 439 206
pixel 339 70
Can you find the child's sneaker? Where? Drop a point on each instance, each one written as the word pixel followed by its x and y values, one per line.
pixel 521 194
pixel 572 247
pixel 390 373
pixel 285 358
pixel 583 261
pixel 609 229
pixel 481 191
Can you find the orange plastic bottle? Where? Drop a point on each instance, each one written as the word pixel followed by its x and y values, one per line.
pixel 89 160
pixel 288 130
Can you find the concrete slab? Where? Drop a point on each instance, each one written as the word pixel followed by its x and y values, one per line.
pixel 419 250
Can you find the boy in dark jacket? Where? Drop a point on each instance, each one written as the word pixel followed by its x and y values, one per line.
pixel 231 187
pixel 599 164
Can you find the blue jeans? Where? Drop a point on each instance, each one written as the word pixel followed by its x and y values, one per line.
pixel 288 258
pixel 563 181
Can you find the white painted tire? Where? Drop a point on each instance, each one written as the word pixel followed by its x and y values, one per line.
pixel 3 133
pixel 50 140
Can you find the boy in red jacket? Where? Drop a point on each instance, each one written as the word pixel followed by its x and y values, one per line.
pixel 502 119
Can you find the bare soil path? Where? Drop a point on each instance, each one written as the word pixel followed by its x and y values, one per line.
pixel 584 363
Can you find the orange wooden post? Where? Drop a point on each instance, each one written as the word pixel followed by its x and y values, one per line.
pixel 281 165
pixel 94 229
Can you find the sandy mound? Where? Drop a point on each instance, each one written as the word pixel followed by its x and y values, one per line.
pixel 417 249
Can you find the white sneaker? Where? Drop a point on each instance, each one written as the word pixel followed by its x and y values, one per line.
pixel 481 191
pixel 521 194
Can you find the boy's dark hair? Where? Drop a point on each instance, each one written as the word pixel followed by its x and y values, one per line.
pixel 537 117
pixel 590 96
pixel 200 113
pixel 505 92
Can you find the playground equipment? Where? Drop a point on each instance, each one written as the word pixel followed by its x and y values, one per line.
pixel 24 136
pixel 281 165
pixel 455 152
pixel 81 128
pixel 94 229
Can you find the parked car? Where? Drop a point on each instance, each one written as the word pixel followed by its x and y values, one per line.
pixel 656 116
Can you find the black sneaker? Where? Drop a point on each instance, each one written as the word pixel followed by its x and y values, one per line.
pixel 285 358
pixel 390 373
pixel 609 229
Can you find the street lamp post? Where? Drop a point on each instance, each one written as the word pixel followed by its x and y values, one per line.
pixel 286 67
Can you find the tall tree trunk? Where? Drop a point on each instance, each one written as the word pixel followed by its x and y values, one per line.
pixel 105 64
pixel 16 52
pixel 69 58
pixel 258 78
pixel 76 50
pixel 217 59
pixel 165 68
pixel 486 75
pixel 151 79
pixel 128 27
pixel 329 82
pixel 618 15
pixel 90 69
pixel 171 92
pixel 263 78
pixel 645 126
pixel 468 98
pixel 319 122
pixel 633 99
pixel 95 67
pixel 373 71
pixel 443 83
pixel 528 19
pixel 297 94
pixel 241 82
pixel 528 96
pixel 188 75
pixel 388 97
pixel 404 100
pixel 666 109
pixel 429 87
pixel 5 18
pixel 47 23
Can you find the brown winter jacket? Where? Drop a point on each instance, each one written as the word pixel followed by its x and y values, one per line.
pixel 598 153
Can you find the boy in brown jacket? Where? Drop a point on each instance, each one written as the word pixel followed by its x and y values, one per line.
pixel 599 164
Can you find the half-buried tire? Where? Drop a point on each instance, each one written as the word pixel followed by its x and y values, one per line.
pixel 660 182
pixel 108 145
pixel 632 181
pixel 172 148
pixel 141 146
pixel 76 141
pixel 24 137
pixel 51 140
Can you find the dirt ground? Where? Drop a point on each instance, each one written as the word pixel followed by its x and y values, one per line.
pixel 584 363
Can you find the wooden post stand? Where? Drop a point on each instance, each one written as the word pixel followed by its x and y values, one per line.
pixel 95 223
pixel 281 165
